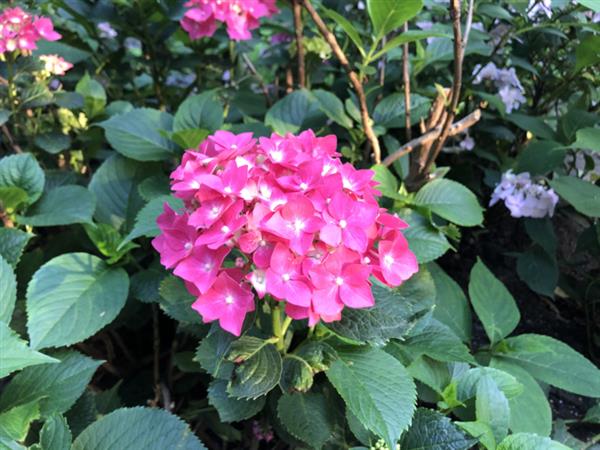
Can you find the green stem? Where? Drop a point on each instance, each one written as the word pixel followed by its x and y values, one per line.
pixel 280 328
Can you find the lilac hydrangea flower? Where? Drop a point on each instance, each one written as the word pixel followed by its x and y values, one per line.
pixel 106 31
pixel 524 197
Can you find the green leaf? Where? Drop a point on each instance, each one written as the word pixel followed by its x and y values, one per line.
pixel 388 15
pixel 138 428
pixel 467 382
pixel 333 107
pixel 108 241
pixel 307 417
pixel 480 431
pixel 434 431
pixel 55 434
pixel 427 242
pixel 94 96
pixel 451 304
pixel 538 270
pixel 529 411
pixel 68 52
pixel 199 111
pixel 8 292
pixel 588 139
pixel 430 372
pixel 16 354
pixel 137 134
pixel 529 441
pixel 4 116
pixel 12 198
pixel 115 186
pixel 376 388
pixel 593 414
pixel 582 195
pixel 494 305
pixel 22 171
pixel 292 112
pixel 189 138
pixel 63 205
pixel 231 409
pixel 12 244
pixel 437 341
pixel 296 374
pixel 536 125
pixel 451 201
pixel 57 385
pixel 406 37
pixel 587 53
pixel 145 222
pixel 594 5
pixel 211 354
pixel 388 184
pixel 541 157
pixel 395 313
pixel 53 142
pixel 14 423
pixel 71 297
pixel 553 362
pixel 347 26
pixel 491 407
pixel 176 301
pixel 258 368
pixel 391 111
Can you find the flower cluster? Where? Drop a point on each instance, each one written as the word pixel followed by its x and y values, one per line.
pixel 55 65
pixel 240 16
pixel 305 228
pixel 509 87
pixel 584 164
pixel 537 8
pixel 21 31
pixel 524 197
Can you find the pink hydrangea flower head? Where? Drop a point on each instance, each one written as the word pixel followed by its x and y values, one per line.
pixel 20 31
pixel 303 228
pixel 239 16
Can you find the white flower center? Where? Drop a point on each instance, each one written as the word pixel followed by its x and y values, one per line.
pixel 225 229
pixel 286 277
pixel 303 186
pixel 228 190
pixel 339 281
pixel 229 299
pixel 188 246
pixel 343 224
pixel 214 212
pixel 194 184
pixel 388 260
pixel 298 225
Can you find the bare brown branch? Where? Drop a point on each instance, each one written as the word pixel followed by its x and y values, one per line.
pixel 258 77
pixel 356 84
pixel 297 7
pixel 406 81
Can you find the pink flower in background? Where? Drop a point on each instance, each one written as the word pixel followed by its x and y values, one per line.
pixel 239 16
pixel 55 64
pixel 20 31
pixel 301 226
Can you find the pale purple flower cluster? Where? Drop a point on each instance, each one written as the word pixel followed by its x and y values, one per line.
pixel 509 87
pixel 524 197
pixel 106 31
pixel 584 164
pixel 537 8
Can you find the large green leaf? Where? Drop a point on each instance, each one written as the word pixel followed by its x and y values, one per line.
pixel 8 291
pixel 12 244
pixel 333 107
pixel 71 297
pixel 16 354
pixel 138 428
pixel 176 301
pixel 553 362
pixel 347 26
pixel 538 269
pixel 232 409
pixel 212 351
pixel 529 411
pixel 94 95
pixel 115 186
pixel 494 305
pixel 137 134
pixel 201 111
pixel 55 434
pixel 63 205
pixel 587 53
pixel 145 222
pixel 390 15
pixel 292 112
pixel 434 431
pixel 56 385
pixel 390 112
pixel 53 142
pixel 541 157
pixel 451 304
pixel 307 417
pixel 535 125
pixel 437 341
pixel 530 441
pixel 406 37
pixel 14 423
pixel 376 388
pixel 491 407
pixel 588 139
pixel 258 368
pixel 427 242
pixel 583 195
pixel 22 171
pixel 467 382
pixel 395 313
pixel 452 201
